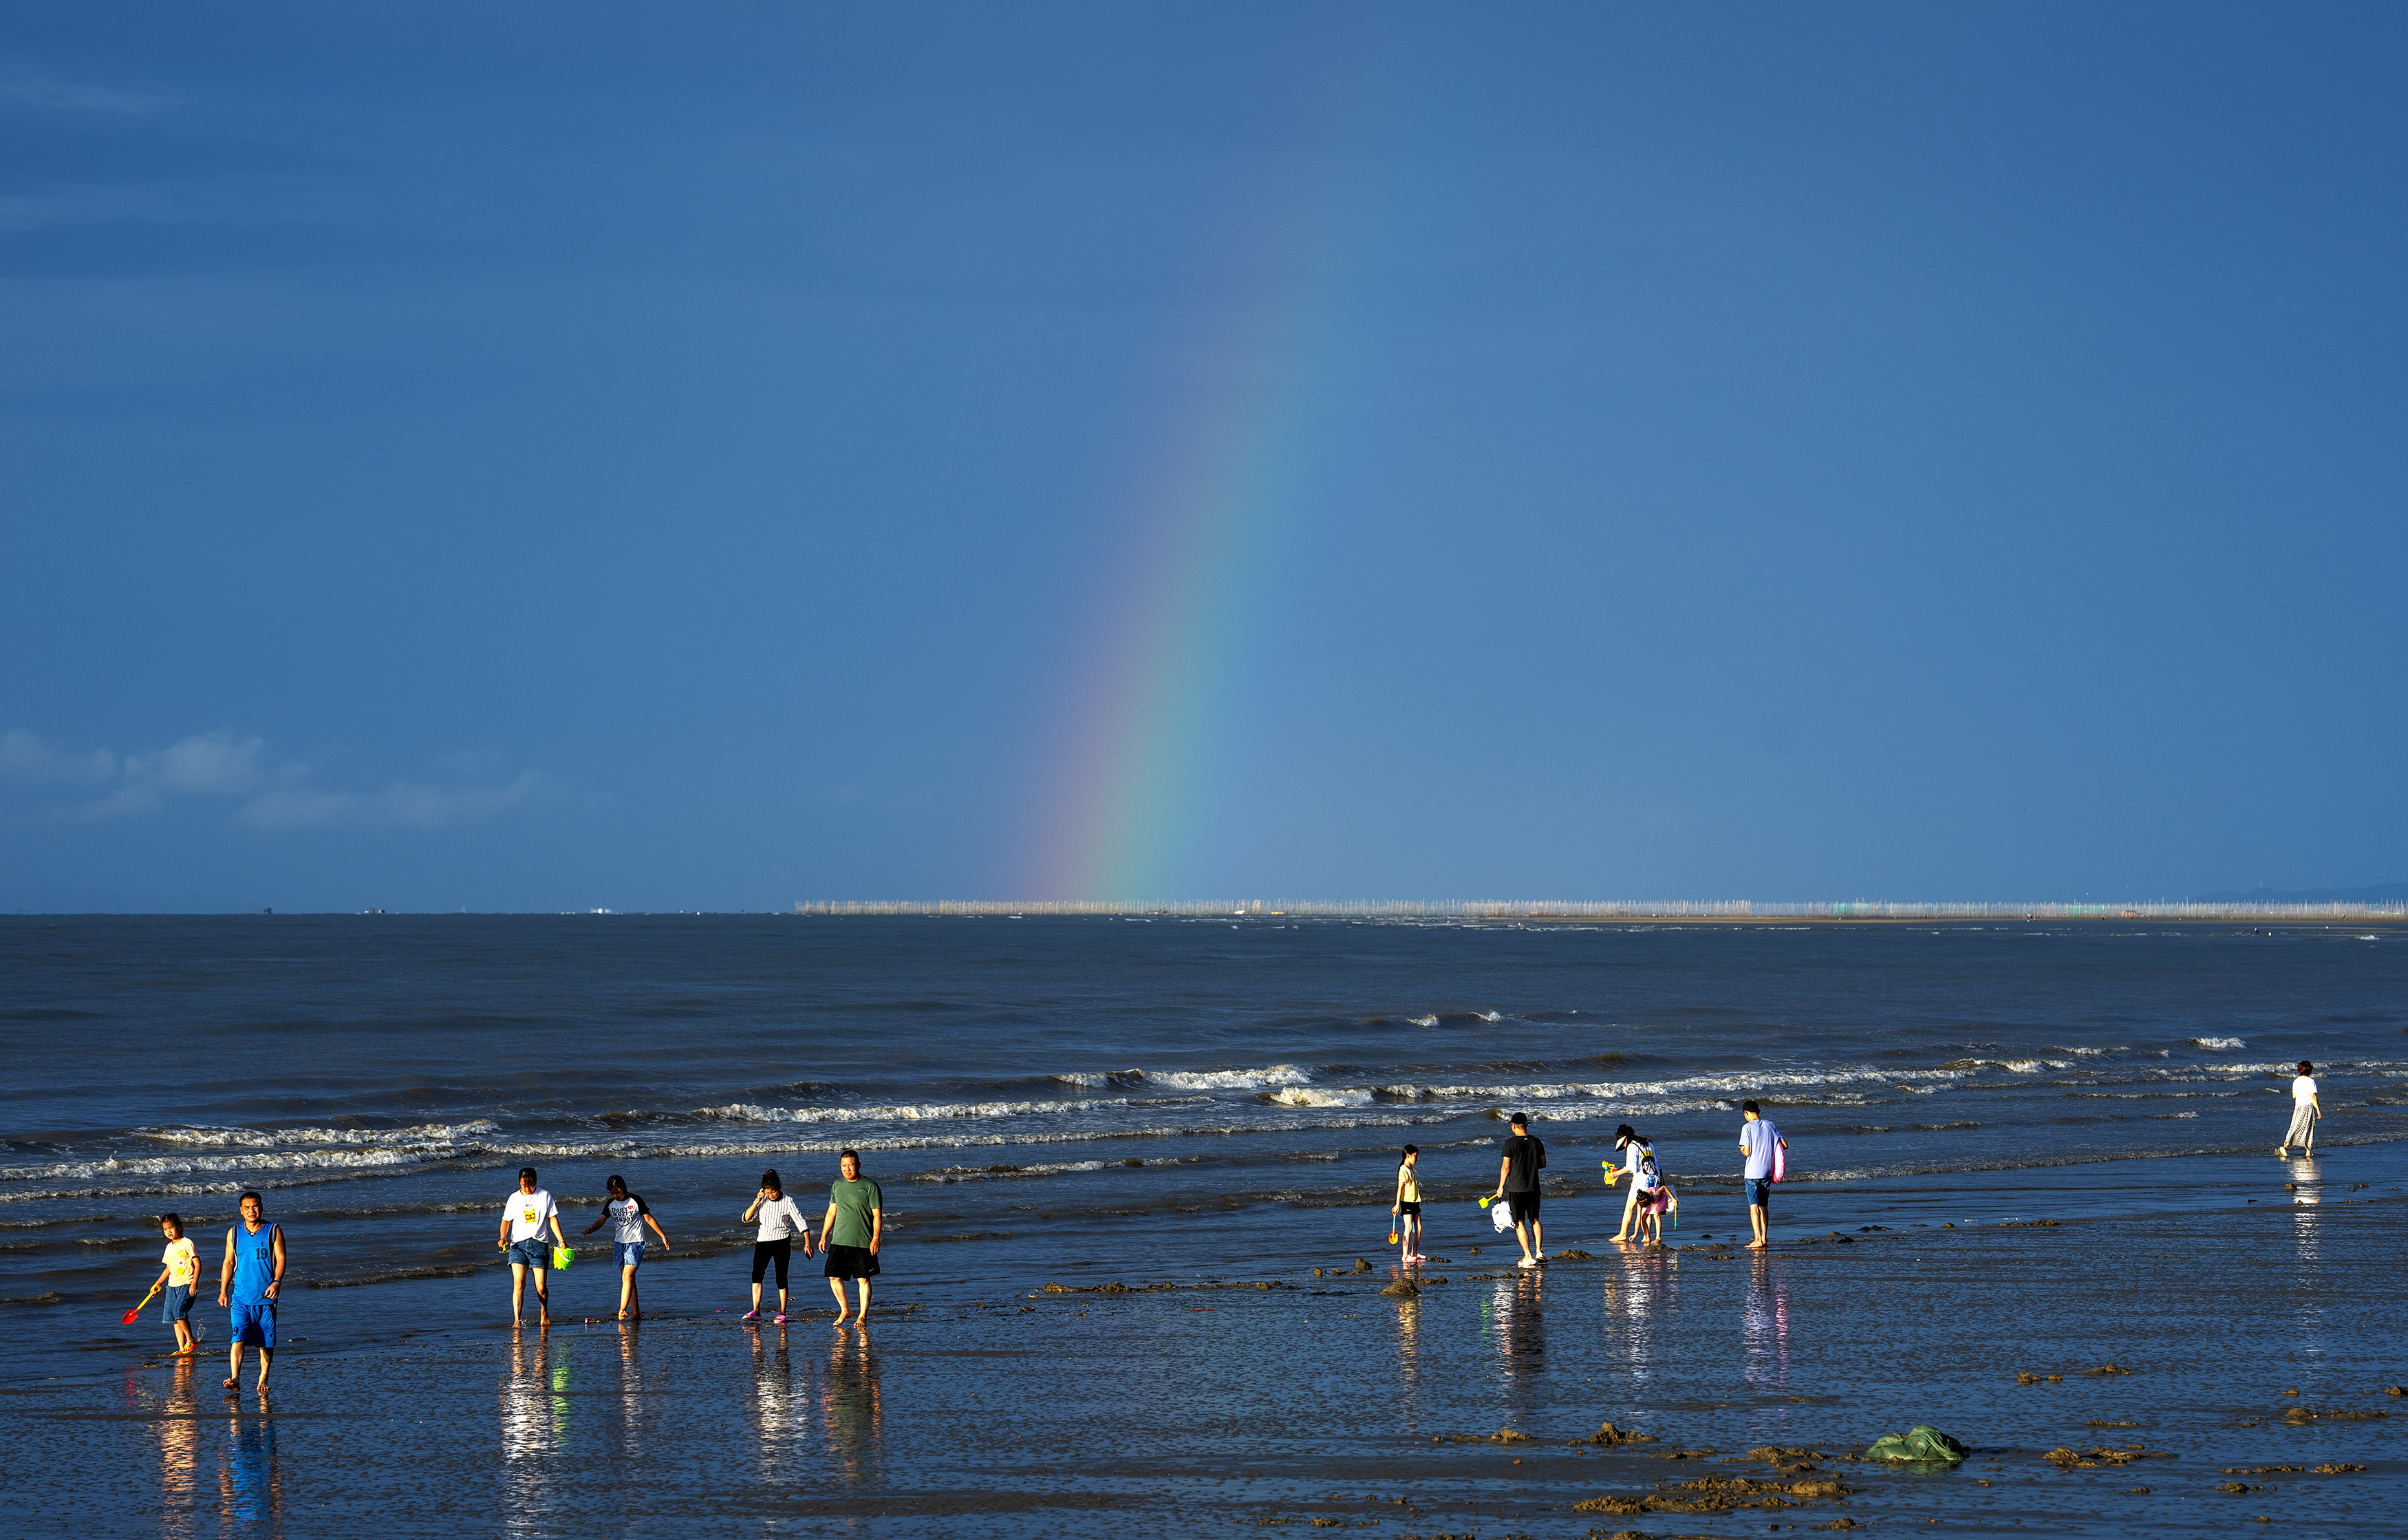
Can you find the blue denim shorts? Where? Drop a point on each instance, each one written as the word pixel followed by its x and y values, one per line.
pixel 630 1253
pixel 1759 1192
pixel 178 1305
pixel 536 1252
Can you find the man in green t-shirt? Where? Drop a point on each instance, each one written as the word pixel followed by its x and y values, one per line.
pixel 850 1234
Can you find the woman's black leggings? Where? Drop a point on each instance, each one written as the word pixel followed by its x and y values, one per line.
pixel 766 1252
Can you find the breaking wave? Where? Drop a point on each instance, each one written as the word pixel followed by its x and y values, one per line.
pixel 424 1134
pixel 746 1112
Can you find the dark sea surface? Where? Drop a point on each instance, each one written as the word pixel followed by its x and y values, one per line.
pixel 1040 1093
pixel 2039 1147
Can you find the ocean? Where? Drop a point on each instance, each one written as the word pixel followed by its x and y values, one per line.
pixel 1043 1093
pixel 1135 1175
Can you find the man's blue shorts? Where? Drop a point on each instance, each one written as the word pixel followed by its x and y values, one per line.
pixel 253 1321
pixel 631 1253
pixel 534 1252
pixel 1759 1192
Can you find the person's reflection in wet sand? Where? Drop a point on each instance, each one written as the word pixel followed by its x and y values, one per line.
pixel 1640 1304
pixel 534 1420
pixel 630 1387
pixel 251 1498
pixel 179 1441
pixel 1763 1327
pixel 1408 1358
pixel 773 1401
pixel 1518 1331
pixel 1522 1326
pixel 850 1409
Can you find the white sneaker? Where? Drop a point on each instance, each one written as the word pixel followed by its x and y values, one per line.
pixel 1526 1262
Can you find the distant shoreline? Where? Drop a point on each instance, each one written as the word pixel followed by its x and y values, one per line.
pixel 1735 912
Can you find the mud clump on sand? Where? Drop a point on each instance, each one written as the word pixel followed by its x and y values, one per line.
pixel 1718 1494
pixel 1608 1436
pixel 2299 1417
pixel 1403 1288
pixel 2068 1459
pixel 1502 1436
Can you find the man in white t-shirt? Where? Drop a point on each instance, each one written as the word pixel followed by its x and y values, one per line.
pixel 2305 1110
pixel 523 1218
pixel 1762 1145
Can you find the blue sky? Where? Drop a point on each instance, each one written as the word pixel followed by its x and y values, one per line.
pixel 554 456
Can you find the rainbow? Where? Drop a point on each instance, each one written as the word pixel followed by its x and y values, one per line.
pixel 1153 679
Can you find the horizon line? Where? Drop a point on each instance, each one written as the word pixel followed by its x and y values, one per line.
pixel 1623 908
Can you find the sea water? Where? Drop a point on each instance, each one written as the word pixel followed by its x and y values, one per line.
pixel 1162 1097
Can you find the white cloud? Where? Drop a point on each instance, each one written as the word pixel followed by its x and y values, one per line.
pixel 27 760
pixel 206 762
pixel 404 804
pixel 276 794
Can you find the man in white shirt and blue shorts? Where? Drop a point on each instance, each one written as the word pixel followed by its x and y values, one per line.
pixel 1758 1140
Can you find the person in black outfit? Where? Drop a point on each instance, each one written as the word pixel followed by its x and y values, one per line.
pixel 1517 1183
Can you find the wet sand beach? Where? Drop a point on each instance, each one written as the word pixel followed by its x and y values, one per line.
pixel 2251 1352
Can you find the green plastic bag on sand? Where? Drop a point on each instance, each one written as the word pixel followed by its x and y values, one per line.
pixel 1918 1442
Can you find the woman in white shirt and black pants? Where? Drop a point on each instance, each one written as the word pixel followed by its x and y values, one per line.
pixel 780 1222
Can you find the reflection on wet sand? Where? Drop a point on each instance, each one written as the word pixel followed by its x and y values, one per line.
pixel 851 1413
pixel 250 1497
pixel 1638 1308
pixel 1516 1324
pixel 1764 1330
pixel 176 1422
pixel 1409 1357
pixel 1518 1332
pixel 630 1376
pixel 535 1412
pixel 773 1401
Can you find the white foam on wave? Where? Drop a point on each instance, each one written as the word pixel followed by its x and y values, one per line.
pixel 2221 1044
pixel 234 1138
pixel 1229 1080
pixel 748 1112
pixel 174 1165
pixel 988 1174
pixel 1425 1021
pixel 1625 1090
pixel 1306 1095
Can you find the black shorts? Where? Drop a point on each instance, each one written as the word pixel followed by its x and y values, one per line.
pixel 766 1252
pixel 850 1262
pixel 1524 1206
pixel 1414 1209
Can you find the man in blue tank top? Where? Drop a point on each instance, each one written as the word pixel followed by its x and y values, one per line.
pixel 255 1265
